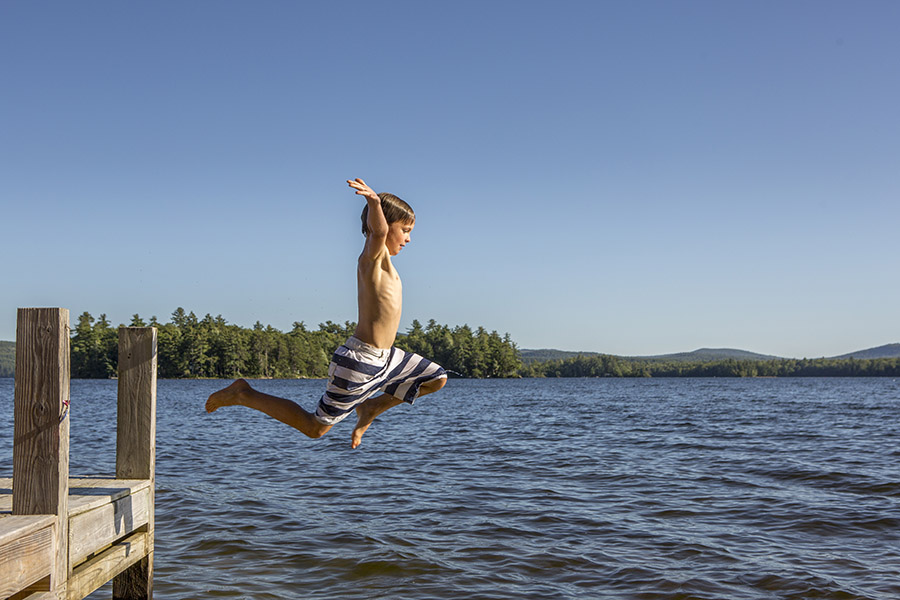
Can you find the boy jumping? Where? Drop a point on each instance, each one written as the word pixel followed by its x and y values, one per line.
pixel 367 362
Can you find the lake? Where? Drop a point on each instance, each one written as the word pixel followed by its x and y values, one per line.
pixel 531 488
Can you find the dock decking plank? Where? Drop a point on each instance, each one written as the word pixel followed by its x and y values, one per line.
pixel 26 551
pixel 85 493
pixel 16 526
pixel 95 572
pixel 89 493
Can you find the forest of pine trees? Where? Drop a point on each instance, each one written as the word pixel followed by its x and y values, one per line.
pixel 614 366
pixel 211 347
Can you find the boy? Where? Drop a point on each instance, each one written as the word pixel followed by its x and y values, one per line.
pixel 367 362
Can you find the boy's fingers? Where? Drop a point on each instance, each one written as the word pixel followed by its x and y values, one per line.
pixel 361 188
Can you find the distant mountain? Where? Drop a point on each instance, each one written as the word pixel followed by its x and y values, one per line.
pixel 886 351
pixel 703 355
pixel 708 355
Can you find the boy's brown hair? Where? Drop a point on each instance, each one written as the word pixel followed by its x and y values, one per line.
pixel 394 210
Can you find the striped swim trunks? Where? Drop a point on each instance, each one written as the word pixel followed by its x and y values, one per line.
pixel 359 370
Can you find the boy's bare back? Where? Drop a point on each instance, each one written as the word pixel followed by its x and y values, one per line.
pixel 379 290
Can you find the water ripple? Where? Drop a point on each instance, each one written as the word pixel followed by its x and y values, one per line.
pixel 648 489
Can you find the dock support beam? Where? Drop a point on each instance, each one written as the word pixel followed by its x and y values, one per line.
pixel 136 441
pixel 41 430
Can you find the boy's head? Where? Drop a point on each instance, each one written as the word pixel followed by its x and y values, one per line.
pixel 395 210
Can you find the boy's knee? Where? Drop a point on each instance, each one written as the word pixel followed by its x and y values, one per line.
pixel 433 386
pixel 319 430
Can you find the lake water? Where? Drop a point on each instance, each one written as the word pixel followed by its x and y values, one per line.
pixel 492 489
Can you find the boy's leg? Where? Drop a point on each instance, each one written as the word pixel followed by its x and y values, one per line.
pixel 371 408
pixel 289 412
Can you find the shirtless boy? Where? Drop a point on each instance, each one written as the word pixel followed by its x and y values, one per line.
pixel 367 363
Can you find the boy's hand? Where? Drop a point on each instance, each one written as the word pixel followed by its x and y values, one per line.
pixel 363 190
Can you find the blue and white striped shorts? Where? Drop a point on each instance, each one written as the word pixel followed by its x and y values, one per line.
pixel 359 370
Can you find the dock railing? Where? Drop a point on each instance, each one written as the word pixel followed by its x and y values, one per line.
pixel 62 538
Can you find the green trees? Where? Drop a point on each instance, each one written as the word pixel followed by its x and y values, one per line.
pixel 7 359
pixel 211 347
pixel 612 366
pixel 469 353
pixel 94 347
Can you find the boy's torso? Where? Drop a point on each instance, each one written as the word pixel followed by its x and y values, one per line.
pixel 380 298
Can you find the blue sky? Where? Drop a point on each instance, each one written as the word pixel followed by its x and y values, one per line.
pixel 624 177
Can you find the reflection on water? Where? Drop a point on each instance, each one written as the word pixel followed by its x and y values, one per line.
pixel 607 488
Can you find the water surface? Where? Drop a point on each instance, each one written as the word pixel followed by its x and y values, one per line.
pixel 563 488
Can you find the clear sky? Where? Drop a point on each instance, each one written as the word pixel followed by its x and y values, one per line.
pixel 623 177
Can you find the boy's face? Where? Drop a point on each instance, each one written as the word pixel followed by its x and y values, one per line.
pixel 398 236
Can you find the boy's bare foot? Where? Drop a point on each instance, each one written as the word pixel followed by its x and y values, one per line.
pixel 228 396
pixel 366 413
pixel 364 417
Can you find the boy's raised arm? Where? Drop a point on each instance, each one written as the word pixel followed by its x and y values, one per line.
pixel 375 221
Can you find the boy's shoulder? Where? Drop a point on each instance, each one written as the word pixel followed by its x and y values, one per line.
pixel 374 250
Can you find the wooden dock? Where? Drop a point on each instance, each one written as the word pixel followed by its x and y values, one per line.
pixel 62 538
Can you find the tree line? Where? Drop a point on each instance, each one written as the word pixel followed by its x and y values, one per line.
pixel 188 347
pixel 614 366
pixel 7 359
pixel 211 347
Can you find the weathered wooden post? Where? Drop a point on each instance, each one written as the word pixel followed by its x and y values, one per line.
pixel 136 441
pixel 41 431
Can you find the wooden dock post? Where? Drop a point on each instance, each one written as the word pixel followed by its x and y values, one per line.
pixel 41 430
pixel 136 442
